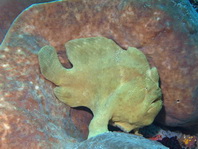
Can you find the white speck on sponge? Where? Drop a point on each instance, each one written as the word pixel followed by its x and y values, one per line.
pixel 36 87
pixel 6 49
pixel 5 65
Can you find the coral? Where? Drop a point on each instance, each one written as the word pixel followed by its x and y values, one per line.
pixel 195 4
pixel 172 142
pixel 166 32
pixel 189 141
pixel 9 10
pixel 115 140
pixel 117 85
pixel 151 26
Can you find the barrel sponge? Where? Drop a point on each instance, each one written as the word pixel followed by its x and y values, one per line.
pixel 117 85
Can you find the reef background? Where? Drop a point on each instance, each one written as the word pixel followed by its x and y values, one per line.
pixel 167 32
